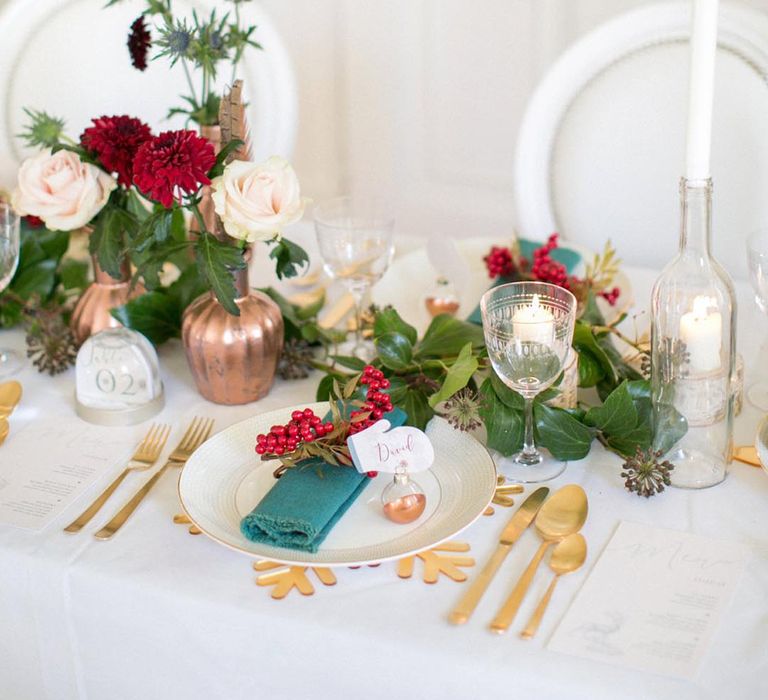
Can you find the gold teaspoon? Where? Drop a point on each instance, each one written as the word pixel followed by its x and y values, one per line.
pixel 4 428
pixel 567 556
pixel 562 515
pixel 10 395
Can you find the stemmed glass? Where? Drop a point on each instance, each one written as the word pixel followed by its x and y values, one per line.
pixel 9 261
pixel 528 329
pixel 757 260
pixel 355 240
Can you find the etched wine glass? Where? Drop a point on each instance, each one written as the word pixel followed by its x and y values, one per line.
pixel 355 240
pixel 528 329
pixel 757 260
pixel 9 261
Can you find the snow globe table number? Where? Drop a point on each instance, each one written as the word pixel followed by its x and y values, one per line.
pixel 117 378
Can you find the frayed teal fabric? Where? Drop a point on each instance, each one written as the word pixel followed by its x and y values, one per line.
pixel 306 502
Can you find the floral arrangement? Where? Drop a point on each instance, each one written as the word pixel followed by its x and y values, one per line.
pixel 133 188
pixel 203 44
pixel 307 435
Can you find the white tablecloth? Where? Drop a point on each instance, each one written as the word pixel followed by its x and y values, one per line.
pixel 157 613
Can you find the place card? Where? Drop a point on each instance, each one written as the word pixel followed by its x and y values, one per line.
pixel 51 462
pixel 383 448
pixel 652 601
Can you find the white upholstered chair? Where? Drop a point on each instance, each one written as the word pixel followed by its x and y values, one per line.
pixel 601 147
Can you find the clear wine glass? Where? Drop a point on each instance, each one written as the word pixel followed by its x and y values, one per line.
pixel 528 329
pixel 9 261
pixel 355 240
pixel 757 260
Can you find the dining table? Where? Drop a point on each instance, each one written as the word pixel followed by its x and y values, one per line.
pixel 156 612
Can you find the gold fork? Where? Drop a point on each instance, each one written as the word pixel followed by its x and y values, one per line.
pixel 144 457
pixel 197 433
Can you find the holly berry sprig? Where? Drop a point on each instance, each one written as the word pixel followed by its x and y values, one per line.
pixel 506 262
pixel 307 435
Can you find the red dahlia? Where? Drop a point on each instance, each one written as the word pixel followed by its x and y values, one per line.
pixel 172 164
pixel 115 141
pixel 139 42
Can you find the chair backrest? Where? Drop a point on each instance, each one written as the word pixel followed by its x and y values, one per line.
pixel 601 148
pixel 69 58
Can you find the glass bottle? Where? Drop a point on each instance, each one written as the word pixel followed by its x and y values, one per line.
pixel 693 343
pixel 403 500
pixel 442 299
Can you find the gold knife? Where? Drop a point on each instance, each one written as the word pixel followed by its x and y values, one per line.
pixel 522 518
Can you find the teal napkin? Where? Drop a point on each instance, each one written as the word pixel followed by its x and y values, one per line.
pixel 301 509
pixel 566 256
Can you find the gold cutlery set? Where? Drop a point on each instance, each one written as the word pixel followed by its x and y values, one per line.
pixel 557 521
pixel 145 456
pixel 10 395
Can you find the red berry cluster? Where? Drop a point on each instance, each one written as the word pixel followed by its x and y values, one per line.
pixel 612 296
pixel 545 269
pixel 499 262
pixel 377 403
pixel 304 426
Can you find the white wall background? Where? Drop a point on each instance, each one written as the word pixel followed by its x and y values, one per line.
pixel 420 99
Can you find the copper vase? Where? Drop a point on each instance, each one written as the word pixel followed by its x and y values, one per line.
pixel 92 311
pixel 233 359
pixel 213 134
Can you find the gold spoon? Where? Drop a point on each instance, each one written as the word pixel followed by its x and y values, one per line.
pixel 562 515
pixel 567 556
pixel 10 395
pixel 4 428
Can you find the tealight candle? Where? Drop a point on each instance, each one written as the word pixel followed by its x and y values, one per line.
pixel 701 331
pixel 534 323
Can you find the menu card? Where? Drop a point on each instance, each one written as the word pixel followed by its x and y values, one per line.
pixel 652 601
pixel 51 462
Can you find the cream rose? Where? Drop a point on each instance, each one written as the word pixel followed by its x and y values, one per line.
pixel 62 190
pixel 255 201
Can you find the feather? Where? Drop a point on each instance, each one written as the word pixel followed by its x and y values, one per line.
pixel 233 122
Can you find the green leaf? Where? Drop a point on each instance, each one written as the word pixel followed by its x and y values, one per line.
pixel 415 404
pixel 389 320
pixel 106 242
pixel 39 278
pixel 590 370
pixel 592 314
pixel 221 158
pixel 353 363
pixel 506 395
pixel 586 344
pixel 216 261
pixel 53 243
pixel 303 313
pixel 154 314
pixel 504 425
pixel 446 336
pixel 458 376
pixel 187 287
pixel 394 350
pixel 73 274
pixel 561 433
pixel 324 388
pixel 625 424
pixel 289 258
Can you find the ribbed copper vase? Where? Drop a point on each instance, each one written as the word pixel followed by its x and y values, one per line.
pixel 213 134
pixel 92 311
pixel 233 358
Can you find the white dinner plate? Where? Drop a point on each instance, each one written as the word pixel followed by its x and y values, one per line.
pixel 224 480
pixel 412 277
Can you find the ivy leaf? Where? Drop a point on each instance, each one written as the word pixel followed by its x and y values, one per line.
pixel 154 314
pixel 561 433
pixel 288 257
pixel 505 394
pixel 394 350
pixel 458 376
pixel 416 405
pixel 216 261
pixel 389 320
pixel 624 427
pixel 504 425
pixel 446 336
pixel 39 279
pixel 586 344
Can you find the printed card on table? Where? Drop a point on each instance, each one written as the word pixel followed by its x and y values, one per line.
pixel 653 600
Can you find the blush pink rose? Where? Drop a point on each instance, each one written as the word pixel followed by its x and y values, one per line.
pixel 255 200
pixel 61 190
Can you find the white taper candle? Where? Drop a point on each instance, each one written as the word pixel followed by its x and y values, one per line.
pixel 701 88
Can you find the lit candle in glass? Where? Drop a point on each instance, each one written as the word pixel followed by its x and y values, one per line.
pixel 534 323
pixel 701 330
